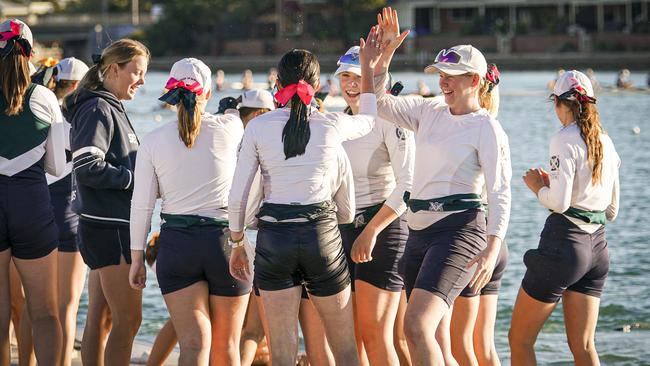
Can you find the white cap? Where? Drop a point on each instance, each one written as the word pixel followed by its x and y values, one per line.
pixel 257 98
pixel 349 67
pixel 573 80
pixel 70 69
pixel 25 32
pixel 190 70
pixel 470 60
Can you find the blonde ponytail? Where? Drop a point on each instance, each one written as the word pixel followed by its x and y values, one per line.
pixel 189 125
pixel 14 81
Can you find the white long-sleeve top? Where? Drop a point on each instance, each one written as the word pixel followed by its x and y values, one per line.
pixel 455 154
pixel 300 180
pixel 26 151
pixel 570 177
pixel 190 181
pixel 382 164
pixel 68 165
pixel 342 186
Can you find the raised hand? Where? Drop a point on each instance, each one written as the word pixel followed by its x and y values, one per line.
pixel 370 49
pixel 389 25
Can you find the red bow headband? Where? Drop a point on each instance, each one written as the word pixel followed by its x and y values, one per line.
pixel 302 88
pixel 12 33
pixel 195 87
pixel 492 76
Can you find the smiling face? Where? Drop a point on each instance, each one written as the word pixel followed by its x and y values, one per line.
pixel 124 81
pixel 350 89
pixel 458 89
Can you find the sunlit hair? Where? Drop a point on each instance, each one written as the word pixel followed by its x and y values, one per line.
pixel 588 120
pixel 189 125
pixel 14 80
pixel 120 53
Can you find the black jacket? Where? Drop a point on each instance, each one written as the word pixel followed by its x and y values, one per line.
pixel 104 145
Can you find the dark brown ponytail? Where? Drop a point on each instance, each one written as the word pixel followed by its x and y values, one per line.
pixel 294 66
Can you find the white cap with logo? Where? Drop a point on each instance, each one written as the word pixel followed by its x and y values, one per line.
pixel 189 70
pixel 459 60
pixel 573 80
pixel 257 98
pixel 71 69
pixel 349 62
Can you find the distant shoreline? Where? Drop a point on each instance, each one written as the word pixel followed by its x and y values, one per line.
pixel 611 61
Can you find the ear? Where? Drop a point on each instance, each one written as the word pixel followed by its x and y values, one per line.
pixel 476 80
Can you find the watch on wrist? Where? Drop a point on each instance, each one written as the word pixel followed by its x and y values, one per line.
pixel 236 243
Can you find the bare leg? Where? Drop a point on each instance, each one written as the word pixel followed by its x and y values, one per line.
pixel 5 307
pixel 227 317
pixel 282 327
pixel 20 318
pixel 253 332
pixel 376 313
pixel 399 338
pixel 318 350
pixel 126 310
pixel 423 315
pixel 98 323
pixel 26 356
pixel 361 350
pixel 463 321
pixel 163 345
pixel 444 338
pixel 39 277
pixel 72 274
pixel 528 317
pixel 336 314
pixel 190 313
pixel 484 347
pixel 580 319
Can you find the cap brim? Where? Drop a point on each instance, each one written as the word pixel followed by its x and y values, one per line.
pixel 450 69
pixel 348 68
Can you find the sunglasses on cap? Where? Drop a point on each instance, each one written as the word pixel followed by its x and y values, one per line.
pixel 349 59
pixel 448 56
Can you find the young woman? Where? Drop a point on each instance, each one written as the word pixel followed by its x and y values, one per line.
pixel 32 141
pixel 104 145
pixel 572 260
pixel 474 312
pixel 298 240
pixel 382 163
pixel 189 163
pixel 460 149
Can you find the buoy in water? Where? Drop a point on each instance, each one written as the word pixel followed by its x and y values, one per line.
pixel 636 130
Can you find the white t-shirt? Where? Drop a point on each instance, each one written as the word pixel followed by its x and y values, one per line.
pixel 570 177
pixel 190 181
pixel 455 154
pixel 303 179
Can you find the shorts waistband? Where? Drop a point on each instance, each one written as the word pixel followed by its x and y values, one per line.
pixel 188 221
pixel 590 217
pixel 298 213
pixel 454 202
pixel 363 218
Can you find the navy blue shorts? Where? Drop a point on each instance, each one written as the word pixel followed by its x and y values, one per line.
pixel 66 220
pixel 435 258
pixel 309 253
pixel 103 244
pixel 26 218
pixel 567 258
pixel 382 271
pixel 189 255
pixel 494 285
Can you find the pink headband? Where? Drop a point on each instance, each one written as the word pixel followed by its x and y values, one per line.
pixel 195 87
